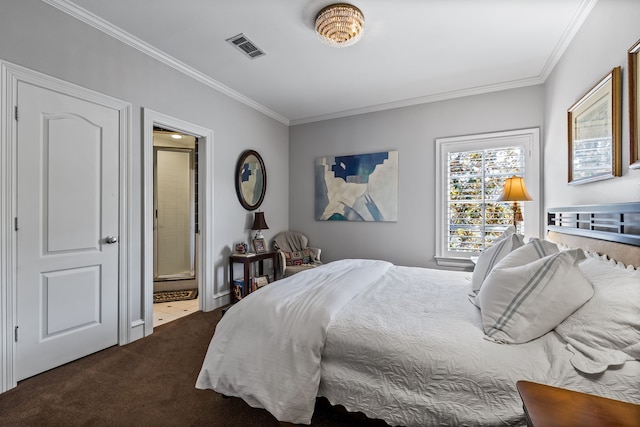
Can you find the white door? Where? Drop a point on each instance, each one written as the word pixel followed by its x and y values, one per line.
pixel 67 220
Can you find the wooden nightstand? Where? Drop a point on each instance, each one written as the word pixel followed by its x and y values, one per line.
pixel 546 406
pixel 246 260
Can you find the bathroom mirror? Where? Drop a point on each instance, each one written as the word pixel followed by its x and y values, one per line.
pixel 251 180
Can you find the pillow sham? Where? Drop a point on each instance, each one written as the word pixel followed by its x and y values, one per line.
pixel 488 258
pixel 533 250
pixel 519 303
pixel 605 331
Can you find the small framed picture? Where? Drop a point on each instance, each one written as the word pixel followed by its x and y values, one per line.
pixel 261 281
pixel 259 246
pixel 238 290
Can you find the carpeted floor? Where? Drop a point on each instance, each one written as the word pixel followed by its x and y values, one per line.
pixel 149 382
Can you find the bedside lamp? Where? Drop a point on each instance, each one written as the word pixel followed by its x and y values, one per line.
pixel 259 223
pixel 515 191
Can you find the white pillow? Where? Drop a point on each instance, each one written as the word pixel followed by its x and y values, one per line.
pixel 533 250
pixel 519 303
pixel 606 330
pixel 489 257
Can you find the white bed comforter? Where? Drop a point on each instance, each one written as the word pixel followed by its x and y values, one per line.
pixel 267 348
pixel 411 351
pixel 401 344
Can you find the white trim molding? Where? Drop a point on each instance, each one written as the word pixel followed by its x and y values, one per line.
pixel 117 33
pixel 11 74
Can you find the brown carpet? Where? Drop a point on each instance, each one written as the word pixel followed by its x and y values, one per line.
pixel 150 382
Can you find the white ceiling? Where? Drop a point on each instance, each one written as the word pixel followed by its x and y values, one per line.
pixel 412 51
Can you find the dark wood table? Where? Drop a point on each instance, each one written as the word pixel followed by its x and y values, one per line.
pixel 547 406
pixel 247 260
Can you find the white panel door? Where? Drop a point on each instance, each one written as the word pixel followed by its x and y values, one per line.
pixel 67 286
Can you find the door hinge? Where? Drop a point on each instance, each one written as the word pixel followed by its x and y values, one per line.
pixel 15 223
pixel 15 333
pixel 15 113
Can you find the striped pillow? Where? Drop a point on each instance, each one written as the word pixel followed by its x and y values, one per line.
pixel 488 258
pixel 519 303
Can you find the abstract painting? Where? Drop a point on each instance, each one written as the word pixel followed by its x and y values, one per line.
pixel 360 187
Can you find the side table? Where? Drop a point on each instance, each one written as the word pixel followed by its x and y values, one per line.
pixel 547 406
pixel 246 260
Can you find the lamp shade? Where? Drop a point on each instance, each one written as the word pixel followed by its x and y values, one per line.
pixel 259 222
pixel 514 190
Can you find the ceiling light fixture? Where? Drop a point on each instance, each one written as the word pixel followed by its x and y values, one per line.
pixel 340 24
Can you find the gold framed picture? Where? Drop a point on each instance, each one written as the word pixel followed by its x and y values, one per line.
pixel 594 131
pixel 259 246
pixel 634 105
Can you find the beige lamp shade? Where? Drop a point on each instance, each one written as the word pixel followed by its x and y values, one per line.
pixel 514 190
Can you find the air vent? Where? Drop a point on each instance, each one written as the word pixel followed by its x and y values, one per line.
pixel 246 46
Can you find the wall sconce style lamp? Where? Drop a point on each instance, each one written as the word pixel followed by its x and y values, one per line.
pixel 259 223
pixel 515 191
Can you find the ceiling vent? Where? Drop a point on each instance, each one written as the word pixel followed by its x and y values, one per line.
pixel 246 46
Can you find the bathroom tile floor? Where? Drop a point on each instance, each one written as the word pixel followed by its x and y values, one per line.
pixel 165 312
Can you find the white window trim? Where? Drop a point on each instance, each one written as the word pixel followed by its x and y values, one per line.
pixel 532 211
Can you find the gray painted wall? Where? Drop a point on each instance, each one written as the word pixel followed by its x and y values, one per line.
pixel 412 131
pixel 602 44
pixel 38 36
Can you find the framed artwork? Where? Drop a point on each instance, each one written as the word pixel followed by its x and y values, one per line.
pixel 634 105
pixel 360 187
pixel 238 290
pixel 259 246
pixel 594 127
pixel 260 281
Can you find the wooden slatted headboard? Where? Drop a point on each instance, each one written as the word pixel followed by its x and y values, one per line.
pixel 612 229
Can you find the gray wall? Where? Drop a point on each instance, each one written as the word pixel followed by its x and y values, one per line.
pixel 38 36
pixel 602 44
pixel 412 131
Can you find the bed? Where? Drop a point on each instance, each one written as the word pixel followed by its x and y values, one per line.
pixel 421 347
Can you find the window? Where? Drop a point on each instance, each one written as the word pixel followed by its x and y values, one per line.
pixel 470 178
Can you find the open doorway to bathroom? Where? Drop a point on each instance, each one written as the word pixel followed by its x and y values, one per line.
pixel 175 225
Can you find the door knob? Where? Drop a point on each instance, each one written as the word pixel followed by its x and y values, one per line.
pixel 110 239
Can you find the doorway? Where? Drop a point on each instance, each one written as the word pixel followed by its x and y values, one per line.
pixel 175 225
pixel 203 212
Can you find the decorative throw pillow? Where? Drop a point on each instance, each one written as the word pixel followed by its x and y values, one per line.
pixel 519 303
pixel 533 250
pixel 489 257
pixel 606 330
pixel 298 257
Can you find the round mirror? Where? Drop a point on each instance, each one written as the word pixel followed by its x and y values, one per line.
pixel 251 180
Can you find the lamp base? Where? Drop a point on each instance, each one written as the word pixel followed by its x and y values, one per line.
pixel 517 214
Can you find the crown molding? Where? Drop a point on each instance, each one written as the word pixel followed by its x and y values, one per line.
pixel 100 24
pixel 582 13
pixel 424 100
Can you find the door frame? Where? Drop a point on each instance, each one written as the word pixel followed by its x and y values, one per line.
pixel 204 252
pixel 10 75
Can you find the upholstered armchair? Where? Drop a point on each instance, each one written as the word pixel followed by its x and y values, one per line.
pixel 294 253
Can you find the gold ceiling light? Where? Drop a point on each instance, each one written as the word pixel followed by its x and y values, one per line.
pixel 340 24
